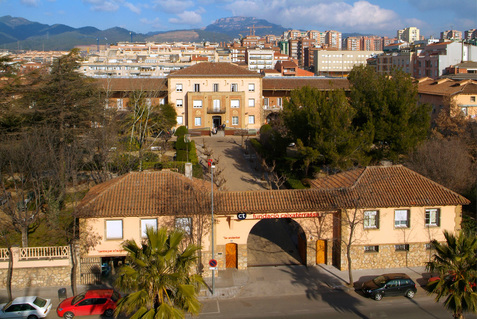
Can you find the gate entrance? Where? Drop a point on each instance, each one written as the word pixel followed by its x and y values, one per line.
pixel 278 241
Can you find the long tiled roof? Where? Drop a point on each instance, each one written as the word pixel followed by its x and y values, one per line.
pixel 389 186
pixel 167 193
pixel 447 87
pixel 214 69
pixel 292 83
pixel 132 84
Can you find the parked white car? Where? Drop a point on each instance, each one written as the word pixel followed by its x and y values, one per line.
pixel 30 307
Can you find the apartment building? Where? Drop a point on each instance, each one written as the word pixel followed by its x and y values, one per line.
pixel 470 34
pixel 332 39
pixel 260 59
pixel 208 95
pixel 303 45
pixel 340 62
pixel 409 34
pixel 352 44
pixel 451 35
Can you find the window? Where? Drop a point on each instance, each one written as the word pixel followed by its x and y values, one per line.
pixel 179 103
pixel 371 249
pixel 433 217
pixel 114 229
pixel 472 98
pixel 179 87
pixel 148 223
pixel 251 119
pixel 180 120
pixel 184 224
pixel 265 102
pixel 251 87
pixel 216 105
pixel 148 102
pixel 401 247
pixel 119 103
pixel 216 87
pixel 234 103
pixel 198 121
pixel 279 101
pixel 197 103
pixel 428 246
pixel 235 120
pixel 371 219
pixel 251 102
pixel 196 87
pixel 234 87
pixel 401 218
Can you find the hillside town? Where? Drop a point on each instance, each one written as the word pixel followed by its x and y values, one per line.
pixel 302 149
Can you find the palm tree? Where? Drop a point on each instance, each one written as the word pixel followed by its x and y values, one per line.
pixel 158 276
pixel 455 262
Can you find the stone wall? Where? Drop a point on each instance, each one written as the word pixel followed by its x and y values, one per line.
pixel 387 257
pixel 37 277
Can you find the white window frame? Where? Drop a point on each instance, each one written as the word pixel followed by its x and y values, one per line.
pixel 179 87
pixel 197 104
pixel 251 119
pixel 432 218
pixel 114 229
pixel 371 219
pixel 279 101
pixel 234 87
pixel 179 103
pixel 184 224
pixel 180 120
pixel 371 249
pixel 147 222
pixel 120 104
pixel 399 221
pixel 251 102
pixel 266 102
pixel 216 87
pixel 234 103
pixel 196 87
pixel 251 87
pixel 216 105
pixel 198 121
pixel 235 120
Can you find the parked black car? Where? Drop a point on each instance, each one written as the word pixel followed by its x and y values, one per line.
pixel 389 285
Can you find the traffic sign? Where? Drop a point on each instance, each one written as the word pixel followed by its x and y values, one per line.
pixel 213 263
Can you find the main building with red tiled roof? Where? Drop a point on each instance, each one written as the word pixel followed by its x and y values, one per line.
pixel 393 211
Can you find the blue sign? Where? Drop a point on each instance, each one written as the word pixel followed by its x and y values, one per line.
pixel 213 263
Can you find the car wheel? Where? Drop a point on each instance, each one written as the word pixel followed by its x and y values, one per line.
pixel 109 312
pixel 69 315
pixel 378 296
pixel 410 294
pixel 32 317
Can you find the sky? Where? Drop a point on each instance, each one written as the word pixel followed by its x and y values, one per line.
pixel 379 17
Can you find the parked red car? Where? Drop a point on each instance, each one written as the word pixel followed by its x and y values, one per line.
pixel 91 302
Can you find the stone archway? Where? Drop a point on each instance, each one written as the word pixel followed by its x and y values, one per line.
pixel 276 241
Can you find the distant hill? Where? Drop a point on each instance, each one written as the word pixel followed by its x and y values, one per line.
pixel 20 33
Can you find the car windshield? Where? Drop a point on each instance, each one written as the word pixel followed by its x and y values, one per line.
pixel 77 298
pixel 379 281
pixel 7 305
pixel 40 302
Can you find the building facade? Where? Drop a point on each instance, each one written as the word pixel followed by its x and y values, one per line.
pixel 209 95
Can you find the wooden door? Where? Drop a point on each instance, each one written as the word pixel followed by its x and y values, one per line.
pixel 320 252
pixel 231 255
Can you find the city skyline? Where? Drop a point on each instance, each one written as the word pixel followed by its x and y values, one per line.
pixel 379 17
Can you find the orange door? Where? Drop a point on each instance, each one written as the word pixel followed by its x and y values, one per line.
pixel 231 255
pixel 320 252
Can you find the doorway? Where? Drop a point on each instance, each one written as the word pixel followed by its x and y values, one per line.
pixel 231 255
pixel 217 121
pixel 320 252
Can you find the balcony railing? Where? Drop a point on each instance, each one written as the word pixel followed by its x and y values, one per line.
pixel 216 110
pixel 30 253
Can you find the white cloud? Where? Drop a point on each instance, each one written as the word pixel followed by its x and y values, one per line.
pixel 173 6
pixel 30 3
pixel 132 7
pixel 188 18
pixel 339 15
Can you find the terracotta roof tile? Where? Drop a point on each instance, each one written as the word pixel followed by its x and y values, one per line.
pixel 292 83
pixel 216 69
pixel 167 193
pixel 446 87
pixel 389 186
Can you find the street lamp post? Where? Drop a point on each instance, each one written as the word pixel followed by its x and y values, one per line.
pixel 212 223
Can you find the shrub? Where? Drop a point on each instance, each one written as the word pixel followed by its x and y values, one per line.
pixel 181 131
pixel 150 157
pixel 295 184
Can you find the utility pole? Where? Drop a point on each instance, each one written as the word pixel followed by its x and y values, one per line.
pixel 212 224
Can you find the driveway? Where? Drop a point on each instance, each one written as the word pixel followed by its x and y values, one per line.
pixel 240 170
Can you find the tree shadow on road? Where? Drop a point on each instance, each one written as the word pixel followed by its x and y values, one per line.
pixel 325 287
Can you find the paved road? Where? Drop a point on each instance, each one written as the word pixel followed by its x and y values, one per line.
pixel 241 173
